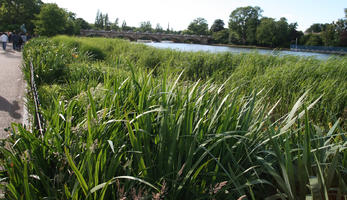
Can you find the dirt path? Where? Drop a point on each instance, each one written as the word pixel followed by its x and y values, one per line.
pixel 11 89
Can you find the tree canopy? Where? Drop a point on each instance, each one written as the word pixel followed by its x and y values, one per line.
pixel 266 32
pixel 316 28
pixel 243 22
pixel 15 13
pixel 102 21
pixel 51 20
pixel 217 25
pixel 145 26
pixel 198 26
pixel 246 25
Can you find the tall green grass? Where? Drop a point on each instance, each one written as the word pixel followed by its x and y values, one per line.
pixel 282 77
pixel 116 128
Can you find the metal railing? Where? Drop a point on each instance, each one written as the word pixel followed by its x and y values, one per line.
pixel 39 120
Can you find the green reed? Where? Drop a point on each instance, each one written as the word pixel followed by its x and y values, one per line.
pixel 116 128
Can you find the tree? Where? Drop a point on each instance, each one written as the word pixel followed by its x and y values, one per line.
pixel 314 40
pixel 79 24
pixel 341 28
pixel 71 26
pixel 82 24
pixel 343 39
pixel 14 13
pixel 330 36
pixel 221 37
pixel 316 28
pixel 107 23
pixel 218 25
pixel 51 20
pixel 276 33
pixel 294 35
pixel 145 26
pixel 198 26
pixel 159 29
pixel 125 27
pixel 243 22
pixel 115 25
pixel 99 20
pixel 282 33
pixel 168 28
pixel 266 32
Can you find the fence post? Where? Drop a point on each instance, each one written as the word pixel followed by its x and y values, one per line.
pixel 38 116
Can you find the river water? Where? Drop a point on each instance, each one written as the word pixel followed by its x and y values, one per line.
pixel 216 49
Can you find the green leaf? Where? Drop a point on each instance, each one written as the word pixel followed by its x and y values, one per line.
pixel 77 172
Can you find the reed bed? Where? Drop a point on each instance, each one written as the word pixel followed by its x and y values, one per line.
pixel 129 121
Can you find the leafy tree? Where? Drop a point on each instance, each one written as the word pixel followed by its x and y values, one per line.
pixel 14 13
pixel 218 25
pixel 107 23
pixel 115 25
pixel 145 26
pixel 168 28
pixel 282 33
pixel 243 22
pixel 294 35
pixel 314 40
pixel 102 21
pixel 274 34
pixel 99 20
pixel 316 28
pixel 341 28
pixel 330 36
pixel 51 20
pixel 125 27
pixel 221 37
pixel 71 27
pixel 234 38
pixel 159 29
pixel 343 39
pixel 82 24
pixel 266 32
pixel 198 26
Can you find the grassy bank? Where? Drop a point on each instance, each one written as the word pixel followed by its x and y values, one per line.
pixel 285 78
pixel 126 120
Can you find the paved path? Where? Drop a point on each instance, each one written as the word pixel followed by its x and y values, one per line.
pixel 11 89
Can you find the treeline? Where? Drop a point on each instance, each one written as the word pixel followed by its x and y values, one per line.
pixel 246 26
pixel 102 22
pixel 334 34
pixel 37 17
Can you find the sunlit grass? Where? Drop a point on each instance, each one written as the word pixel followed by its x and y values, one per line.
pixel 127 124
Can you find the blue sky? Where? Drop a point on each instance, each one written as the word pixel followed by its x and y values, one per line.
pixel 179 13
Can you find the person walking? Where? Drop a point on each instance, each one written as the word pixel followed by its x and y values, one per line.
pixel 15 40
pixel 4 40
pixel 24 39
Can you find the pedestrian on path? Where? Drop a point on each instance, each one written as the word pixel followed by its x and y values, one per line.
pixel 24 39
pixel 15 40
pixel 4 40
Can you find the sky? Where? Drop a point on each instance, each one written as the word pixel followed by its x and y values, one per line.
pixel 177 14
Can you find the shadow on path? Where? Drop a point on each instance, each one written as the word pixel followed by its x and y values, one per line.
pixel 10 108
pixel 10 54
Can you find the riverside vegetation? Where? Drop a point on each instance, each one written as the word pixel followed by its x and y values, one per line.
pixel 126 120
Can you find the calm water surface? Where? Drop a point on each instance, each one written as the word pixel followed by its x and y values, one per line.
pixel 216 49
